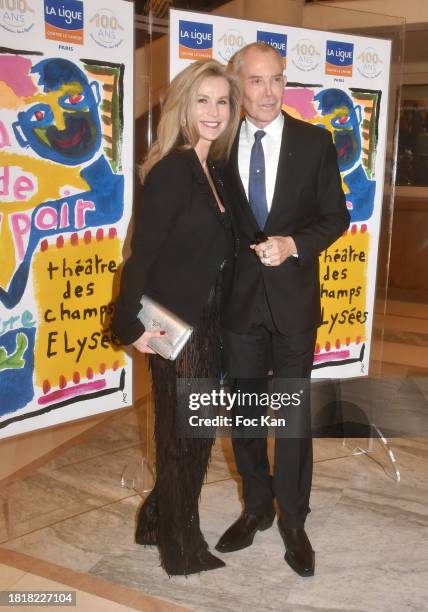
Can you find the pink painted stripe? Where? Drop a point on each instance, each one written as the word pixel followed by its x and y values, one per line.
pixel 15 71
pixel 72 391
pixel 336 355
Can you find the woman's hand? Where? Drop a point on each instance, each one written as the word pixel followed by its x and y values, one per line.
pixel 141 344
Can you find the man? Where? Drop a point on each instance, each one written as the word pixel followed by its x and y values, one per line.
pixel 285 184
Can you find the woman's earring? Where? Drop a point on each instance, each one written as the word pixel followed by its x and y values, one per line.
pixel 183 123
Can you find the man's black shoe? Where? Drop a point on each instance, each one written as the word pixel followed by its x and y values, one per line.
pixel 241 533
pixel 298 551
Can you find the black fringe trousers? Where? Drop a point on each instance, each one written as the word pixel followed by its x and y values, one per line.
pixel 169 516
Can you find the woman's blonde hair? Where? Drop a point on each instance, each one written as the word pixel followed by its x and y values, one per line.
pixel 177 127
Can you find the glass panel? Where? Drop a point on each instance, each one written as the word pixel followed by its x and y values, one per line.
pixel 412 161
pixel 349 392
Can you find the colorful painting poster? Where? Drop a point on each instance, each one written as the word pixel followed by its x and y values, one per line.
pixel 340 83
pixel 66 159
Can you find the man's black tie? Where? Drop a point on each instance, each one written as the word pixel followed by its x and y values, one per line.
pixel 257 182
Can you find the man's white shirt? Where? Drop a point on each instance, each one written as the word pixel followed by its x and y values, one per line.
pixel 271 144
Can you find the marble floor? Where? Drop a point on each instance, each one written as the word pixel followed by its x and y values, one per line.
pixel 69 524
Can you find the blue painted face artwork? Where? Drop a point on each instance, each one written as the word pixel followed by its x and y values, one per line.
pixel 62 123
pixel 343 120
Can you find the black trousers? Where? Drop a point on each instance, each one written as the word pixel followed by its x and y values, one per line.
pixel 170 515
pixel 248 359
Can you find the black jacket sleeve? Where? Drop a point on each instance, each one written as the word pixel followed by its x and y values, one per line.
pixel 162 198
pixel 333 217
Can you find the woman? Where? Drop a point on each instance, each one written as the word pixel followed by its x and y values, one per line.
pixel 182 244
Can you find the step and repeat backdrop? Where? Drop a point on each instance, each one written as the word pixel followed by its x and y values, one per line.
pixel 339 82
pixel 66 173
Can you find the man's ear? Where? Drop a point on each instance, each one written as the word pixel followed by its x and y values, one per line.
pixel 19 134
pixel 95 86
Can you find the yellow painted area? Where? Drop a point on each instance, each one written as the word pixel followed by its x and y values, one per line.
pixel 107 79
pixel 291 110
pixel 73 333
pixel 344 290
pixel 8 98
pixel 51 99
pixel 103 78
pixel 368 106
pixel 49 178
pixel 41 135
pixel 7 251
pixel 107 130
pixel 344 185
pixel 326 120
pixel 320 119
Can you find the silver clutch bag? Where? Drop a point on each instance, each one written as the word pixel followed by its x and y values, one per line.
pixel 156 317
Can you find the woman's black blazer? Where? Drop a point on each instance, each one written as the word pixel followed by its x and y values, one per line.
pixel 178 246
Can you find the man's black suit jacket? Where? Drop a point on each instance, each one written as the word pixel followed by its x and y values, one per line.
pixel 179 243
pixel 309 205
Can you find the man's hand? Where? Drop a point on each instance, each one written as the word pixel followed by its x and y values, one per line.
pixel 275 250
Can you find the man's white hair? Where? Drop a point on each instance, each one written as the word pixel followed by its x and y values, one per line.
pixel 237 60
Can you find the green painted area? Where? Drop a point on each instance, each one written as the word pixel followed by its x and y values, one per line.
pixel 14 361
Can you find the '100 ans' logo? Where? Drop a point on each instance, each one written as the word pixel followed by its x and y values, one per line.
pixel 16 16
pixel 369 63
pixel 105 29
pixel 306 55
